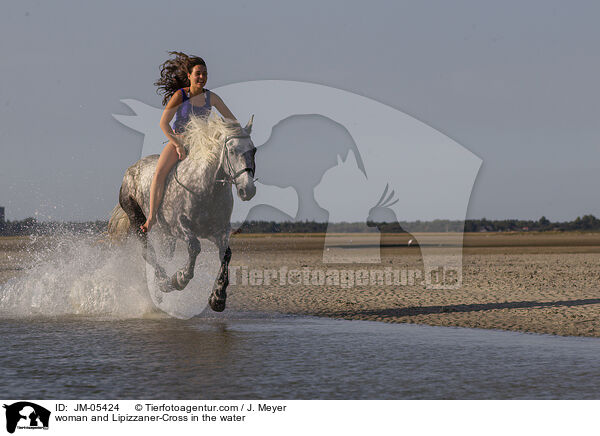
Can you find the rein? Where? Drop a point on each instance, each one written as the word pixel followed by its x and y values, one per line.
pixel 230 173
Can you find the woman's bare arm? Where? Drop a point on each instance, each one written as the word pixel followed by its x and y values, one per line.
pixel 221 107
pixel 168 114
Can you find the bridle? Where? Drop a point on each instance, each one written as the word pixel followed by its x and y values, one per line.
pixel 230 174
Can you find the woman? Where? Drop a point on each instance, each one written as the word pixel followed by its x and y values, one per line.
pixel 182 81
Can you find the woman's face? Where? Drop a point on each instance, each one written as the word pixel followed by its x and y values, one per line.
pixel 198 76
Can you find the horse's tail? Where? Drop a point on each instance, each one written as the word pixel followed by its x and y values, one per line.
pixel 118 225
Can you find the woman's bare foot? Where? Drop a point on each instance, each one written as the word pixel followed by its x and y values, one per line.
pixel 147 225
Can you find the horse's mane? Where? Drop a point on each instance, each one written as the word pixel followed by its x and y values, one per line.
pixel 204 136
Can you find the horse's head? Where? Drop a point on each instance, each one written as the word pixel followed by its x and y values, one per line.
pixel 238 161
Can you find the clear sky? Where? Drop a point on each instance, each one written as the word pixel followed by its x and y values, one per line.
pixel 516 83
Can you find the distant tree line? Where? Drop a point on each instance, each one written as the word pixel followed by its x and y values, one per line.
pixel 588 223
pixel 585 223
pixel 347 227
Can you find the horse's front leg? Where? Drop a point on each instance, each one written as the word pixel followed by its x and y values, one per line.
pixel 182 277
pixel 219 294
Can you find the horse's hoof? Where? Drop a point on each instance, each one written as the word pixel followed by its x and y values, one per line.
pixel 165 286
pixel 217 304
pixel 165 289
pixel 178 281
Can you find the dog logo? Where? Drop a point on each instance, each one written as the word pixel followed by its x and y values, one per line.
pixel 26 415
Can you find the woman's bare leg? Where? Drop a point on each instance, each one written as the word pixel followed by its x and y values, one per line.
pixel 167 159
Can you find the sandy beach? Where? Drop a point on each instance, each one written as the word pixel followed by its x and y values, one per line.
pixel 530 282
pixel 543 283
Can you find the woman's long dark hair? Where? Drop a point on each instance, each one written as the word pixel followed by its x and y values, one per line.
pixel 174 74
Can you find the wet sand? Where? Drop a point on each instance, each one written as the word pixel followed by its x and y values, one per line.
pixel 542 283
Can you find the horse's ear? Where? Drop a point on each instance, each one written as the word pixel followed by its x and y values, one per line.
pixel 248 127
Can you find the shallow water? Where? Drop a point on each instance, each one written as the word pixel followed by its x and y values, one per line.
pixel 249 355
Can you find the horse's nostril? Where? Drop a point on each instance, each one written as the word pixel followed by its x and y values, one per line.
pixel 241 192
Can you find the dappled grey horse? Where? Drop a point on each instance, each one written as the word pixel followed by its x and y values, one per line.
pixel 197 201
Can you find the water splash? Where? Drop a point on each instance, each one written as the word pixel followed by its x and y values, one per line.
pixel 78 275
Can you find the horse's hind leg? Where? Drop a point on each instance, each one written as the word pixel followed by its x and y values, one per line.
pixel 133 210
pixel 218 296
pixel 169 247
pixel 136 219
